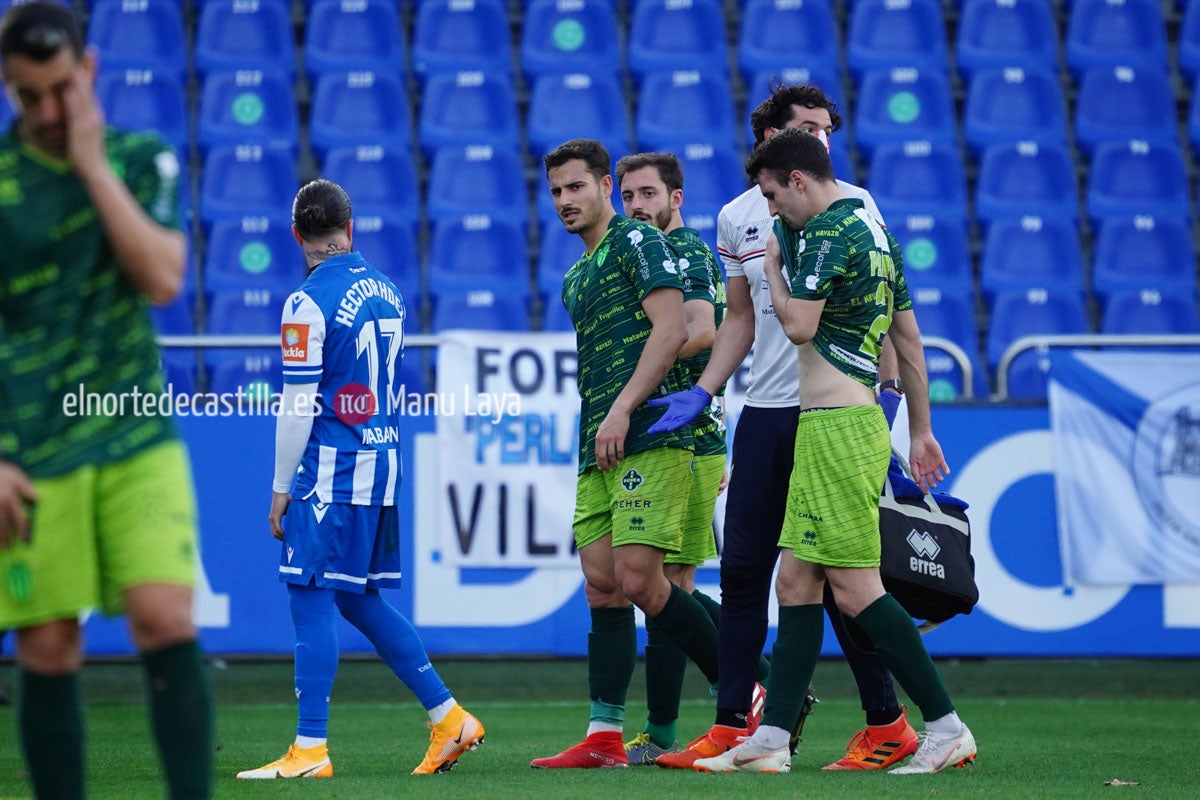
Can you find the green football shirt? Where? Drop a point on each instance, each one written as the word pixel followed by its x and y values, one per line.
pixel 70 321
pixel 702 280
pixel 603 293
pixel 846 257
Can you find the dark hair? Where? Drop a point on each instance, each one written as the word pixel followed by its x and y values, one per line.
pixel 589 151
pixel 321 207
pixel 39 30
pixel 666 163
pixel 788 150
pixel 776 111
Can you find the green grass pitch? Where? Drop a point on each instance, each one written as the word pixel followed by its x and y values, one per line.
pixel 1046 729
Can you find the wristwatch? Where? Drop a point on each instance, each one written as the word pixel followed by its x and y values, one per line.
pixel 893 384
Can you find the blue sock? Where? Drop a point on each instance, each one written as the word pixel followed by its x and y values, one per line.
pixel 397 642
pixel 314 616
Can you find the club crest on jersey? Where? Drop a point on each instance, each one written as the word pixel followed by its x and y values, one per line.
pixel 295 342
pixel 631 480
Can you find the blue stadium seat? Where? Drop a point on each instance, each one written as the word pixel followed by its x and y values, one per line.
pixel 919 178
pixel 935 255
pixel 1027 312
pixel 356 108
pixel 900 104
pixel 176 318
pixel 667 35
pixel 1193 119
pixel 469 108
pixel 1031 252
pixel 562 36
pixel 703 220
pixel 6 110
pixel 179 370
pixel 1123 103
pixel 248 106
pixel 994 34
pixel 1026 179
pixel 1144 253
pixel 1113 33
pixel 896 33
pixel 245 34
pixel 253 253
pixel 1150 311
pixel 827 78
pixel 381 181
pixel 458 35
pixel 140 100
pixel 139 35
pixel 353 36
pixel 843 164
pixel 554 314
pixel 249 373
pixel 246 311
pixel 712 176
pixel 949 315
pixel 676 108
pixel 246 181
pixel 392 249
pixel 476 180
pixel 773 32
pixel 1137 177
pixel 1012 105
pixel 597 111
pixel 558 252
pixel 1189 44
pixel 483 309
pixel 478 252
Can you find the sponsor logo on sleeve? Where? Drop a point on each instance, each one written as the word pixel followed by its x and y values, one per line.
pixel 295 342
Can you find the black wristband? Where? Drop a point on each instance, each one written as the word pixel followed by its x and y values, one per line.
pixel 893 384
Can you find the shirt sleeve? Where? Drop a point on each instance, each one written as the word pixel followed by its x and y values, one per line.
pixel 303 338
pixel 872 209
pixel 650 260
pixel 152 175
pixel 727 246
pixel 901 299
pixel 824 263
pixel 696 267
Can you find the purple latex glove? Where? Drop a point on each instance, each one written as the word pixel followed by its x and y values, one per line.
pixel 682 408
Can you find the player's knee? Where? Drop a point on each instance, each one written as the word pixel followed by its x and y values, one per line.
pixel 51 649
pixel 603 594
pixel 156 628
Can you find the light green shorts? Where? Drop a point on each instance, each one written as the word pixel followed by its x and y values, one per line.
pixel 98 531
pixel 642 501
pixel 841 462
pixel 699 543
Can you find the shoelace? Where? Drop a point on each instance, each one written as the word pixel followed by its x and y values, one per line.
pixel 861 741
pixel 639 740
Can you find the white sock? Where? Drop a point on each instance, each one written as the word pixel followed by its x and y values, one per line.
pixel 309 741
pixel 439 712
pixel 768 737
pixel 950 724
pixel 596 726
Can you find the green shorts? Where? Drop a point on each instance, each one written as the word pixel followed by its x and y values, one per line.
pixel 833 497
pixel 642 501
pixel 699 543
pixel 98 531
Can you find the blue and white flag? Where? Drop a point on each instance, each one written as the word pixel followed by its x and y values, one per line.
pixel 1127 465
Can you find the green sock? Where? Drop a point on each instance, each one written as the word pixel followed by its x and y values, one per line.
pixel 181 716
pixel 665 665
pixel 612 652
pixel 899 645
pixel 714 612
pixel 50 721
pixel 686 622
pixel 794 658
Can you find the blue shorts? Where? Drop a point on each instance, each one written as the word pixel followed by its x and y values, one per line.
pixel 340 546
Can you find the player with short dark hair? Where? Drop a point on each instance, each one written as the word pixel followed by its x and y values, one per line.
pixel 96 511
pixel 625 298
pixel 337 441
pixel 847 293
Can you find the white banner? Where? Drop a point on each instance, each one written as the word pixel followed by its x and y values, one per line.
pixel 1126 431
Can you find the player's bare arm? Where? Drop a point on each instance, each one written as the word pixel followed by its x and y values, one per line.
pixel 664 308
pixel 699 317
pixel 925 457
pixel 734 338
pixel 16 491
pixel 152 255
pixel 799 318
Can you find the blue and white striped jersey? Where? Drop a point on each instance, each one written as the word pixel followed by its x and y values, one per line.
pixel 344 330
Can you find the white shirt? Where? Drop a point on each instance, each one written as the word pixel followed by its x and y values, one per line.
pixel 742 230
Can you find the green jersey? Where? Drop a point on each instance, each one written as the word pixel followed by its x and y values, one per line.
pixel 702 280
pixel 71 322
pixel 603 293
pixel 846 257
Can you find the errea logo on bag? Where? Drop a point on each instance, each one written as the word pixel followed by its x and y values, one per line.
pixel 927 547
